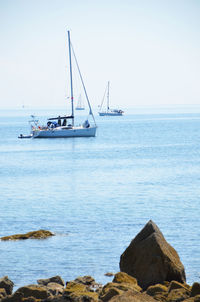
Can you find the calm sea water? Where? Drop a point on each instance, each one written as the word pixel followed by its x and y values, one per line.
pixel 96 194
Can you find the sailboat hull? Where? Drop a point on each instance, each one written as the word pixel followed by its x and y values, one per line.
pixel 110 113
pixel 65 133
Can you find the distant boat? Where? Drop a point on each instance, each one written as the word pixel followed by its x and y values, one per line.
pixel 64 126
pixel 80 105
pixel 25 136
pixel 108 111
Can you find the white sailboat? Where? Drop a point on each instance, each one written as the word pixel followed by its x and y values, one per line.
pixel 108 111
pixel 80 105
pixel 64 126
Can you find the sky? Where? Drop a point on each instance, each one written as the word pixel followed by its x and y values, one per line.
pixel 149 50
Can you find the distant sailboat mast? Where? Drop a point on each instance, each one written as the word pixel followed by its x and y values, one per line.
pixel 80 104
pixel 108 96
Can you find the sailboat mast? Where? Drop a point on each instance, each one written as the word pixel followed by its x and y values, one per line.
pixel 108 96
pixel 71 83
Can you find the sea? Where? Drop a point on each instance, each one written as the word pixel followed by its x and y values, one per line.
pixel 96 194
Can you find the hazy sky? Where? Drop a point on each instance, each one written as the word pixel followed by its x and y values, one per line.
pixel 149 50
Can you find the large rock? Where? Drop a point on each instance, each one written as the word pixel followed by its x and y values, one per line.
pixel 150 259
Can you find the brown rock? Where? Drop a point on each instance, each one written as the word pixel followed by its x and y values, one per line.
pixel 55 288
pixel 41 234
pixel 74 286
pixel 150 259
pixel 16 297
pixel 124 278
pixel 162 297
pixel 55 279
pixel 111 292
pixel 78 293
pixel 130 296
pixel 86 280
pixel 175 285
pixel 2 293
pixel 89 282
pixel 83 297
pixel 58 298
pixel 109 274
pixel 193 299
pixel 33 290
pixel 178 295
pixel 197 298
pixel 195 290
pixel 155 289
pixel 119 286
pixel 7 284
pixel 30 299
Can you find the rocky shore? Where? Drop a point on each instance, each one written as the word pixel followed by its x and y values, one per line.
pixel 150 270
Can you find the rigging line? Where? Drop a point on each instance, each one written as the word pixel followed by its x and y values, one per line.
pixel 103 98
pixel 83 84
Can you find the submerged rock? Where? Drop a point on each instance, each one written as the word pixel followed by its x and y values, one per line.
pixel 41 234
pixel 150 259
pixel 109 274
